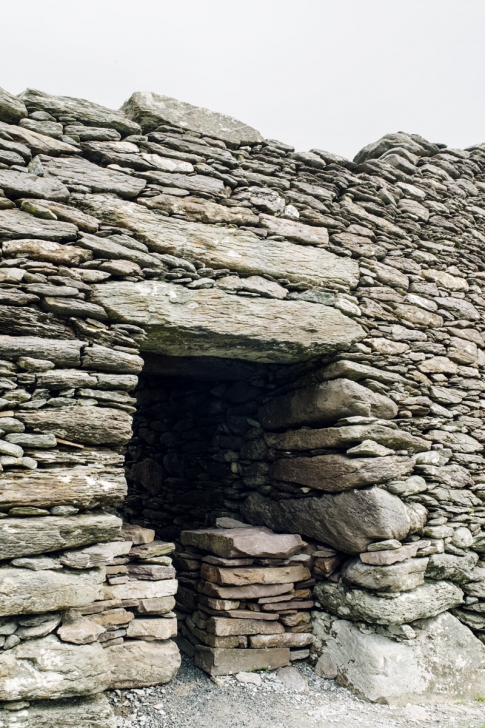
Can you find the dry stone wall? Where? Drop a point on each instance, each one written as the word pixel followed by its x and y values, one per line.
pixel 324 320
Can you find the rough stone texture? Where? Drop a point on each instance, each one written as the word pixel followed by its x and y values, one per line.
pixel 224 248
pixel 84 425
pixel 229 662
pixel 27 536
pixel 151 110
pixel 211 323
pixel 397 577
pixel 426 601
pixel 348 521
pixel 85 487
pixel 87 112
pixel 76 171
pixel 260 542
pixel 23 591
pixel 325 403
pixel 344 437
pixel 140 664
pixel 50 669
pixel 334 473
pixel 444 662
pixel 89 712
pixel 11 108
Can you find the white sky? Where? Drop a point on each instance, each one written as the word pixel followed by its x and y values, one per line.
pixel 333 74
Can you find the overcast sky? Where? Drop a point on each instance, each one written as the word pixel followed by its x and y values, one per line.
pixel 333 74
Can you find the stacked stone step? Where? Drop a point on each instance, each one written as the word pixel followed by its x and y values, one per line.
pixel 246 598
pixel 132 617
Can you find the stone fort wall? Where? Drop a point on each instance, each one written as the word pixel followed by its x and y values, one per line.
pixel 312 334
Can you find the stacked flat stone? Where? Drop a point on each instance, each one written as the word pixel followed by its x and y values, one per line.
pixel 132 617
pixel 246 597
pixel 353 291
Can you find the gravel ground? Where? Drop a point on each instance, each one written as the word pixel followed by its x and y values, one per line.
pixel 193 700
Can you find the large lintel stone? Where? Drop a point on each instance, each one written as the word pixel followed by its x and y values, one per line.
pixel 181 322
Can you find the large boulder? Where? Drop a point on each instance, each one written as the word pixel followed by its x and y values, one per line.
pixel 90 712
pixel 183 322
pixel 139 664
pixel 151 110
pixel 48 669
pixel 348 521
pixel 427 600
pixel 334 473
pixel 324 404
pixel 444 662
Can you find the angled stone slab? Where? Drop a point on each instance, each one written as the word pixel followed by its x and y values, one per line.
pixel 15 224
pixel 23 184
pixel 182 322
pixel 74 170
pixel 24 591
pixel 38 143
pixel 151 110
pixel 82 110
pixel 219 247
pixel 27 536
pixel 48 669
pixel 11 108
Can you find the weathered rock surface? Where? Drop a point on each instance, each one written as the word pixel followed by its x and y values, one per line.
pixel 397 577
pixel 77 171
pixel 89 712
pixel 84 111
pixel 344 437
pixel 11 108
pixel 50 669
pixel 24 591
pixel 22 184
pixel 63 353
pixel 201 210
pixel 260 542
pixel 455 568
pixel 85 487
pixel 26 536
pixel 180 322
pixel 242 576
pixel 138 663
pixel 15 224
pixel 85 425
pixel 141 590
pixel 425 601
pixel 322 404
pixel 229 662
pixel 151 110
pixel 334 473
pixel 444 662
pixel 348 521
pixel 223 247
